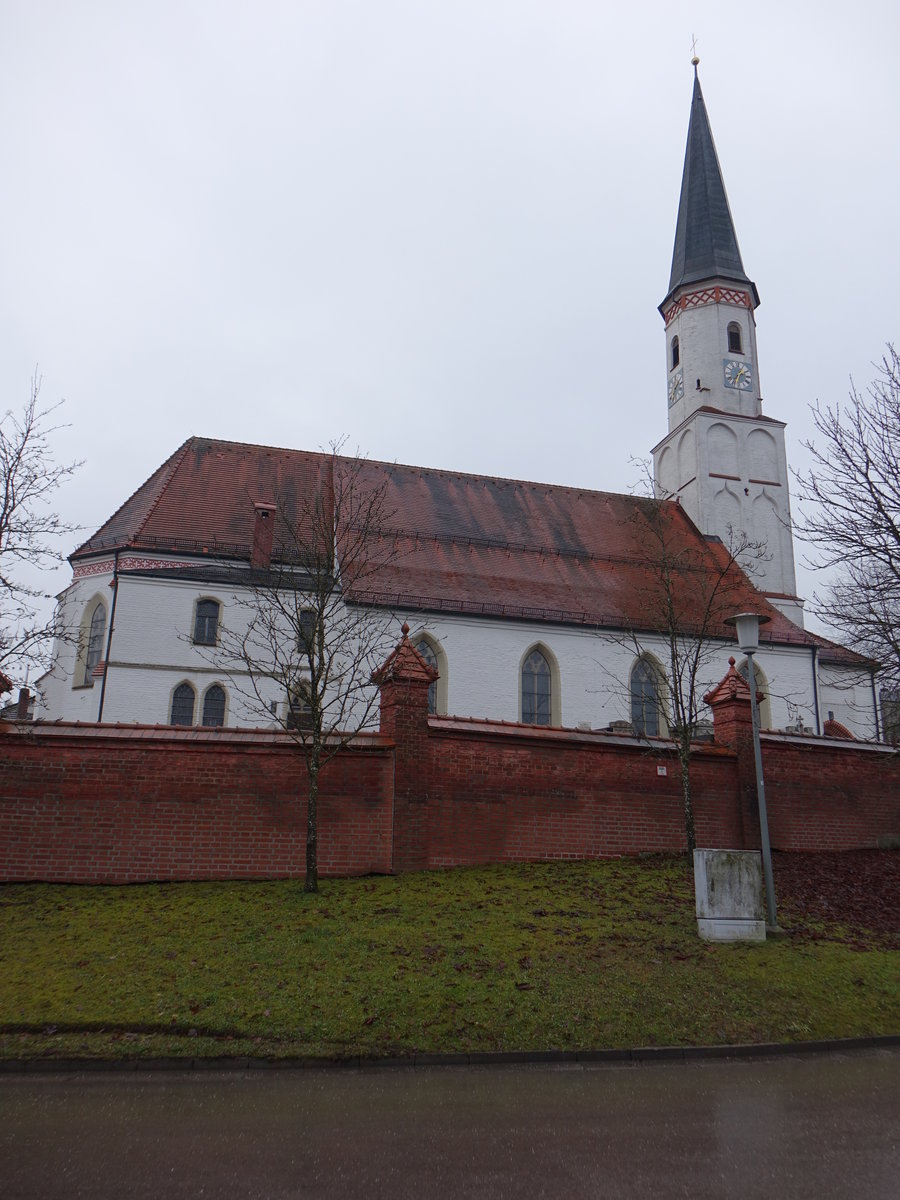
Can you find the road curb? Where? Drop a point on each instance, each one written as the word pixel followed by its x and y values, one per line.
pixel 641 1054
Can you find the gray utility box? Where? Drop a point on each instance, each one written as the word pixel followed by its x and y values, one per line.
pixel 728 887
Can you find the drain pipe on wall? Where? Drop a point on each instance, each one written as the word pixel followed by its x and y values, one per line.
pixel 815 681
pixel 112 621
pixel 875 708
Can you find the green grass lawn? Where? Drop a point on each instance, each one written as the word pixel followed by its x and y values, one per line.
pixel 539 956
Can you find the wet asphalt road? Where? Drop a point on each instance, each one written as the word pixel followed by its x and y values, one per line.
pixel 799 1126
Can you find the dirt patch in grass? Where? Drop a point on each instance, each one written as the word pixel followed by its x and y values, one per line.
pixel 854 894
pixel 537 956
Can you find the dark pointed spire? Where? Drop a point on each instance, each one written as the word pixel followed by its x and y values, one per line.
pixel 705 242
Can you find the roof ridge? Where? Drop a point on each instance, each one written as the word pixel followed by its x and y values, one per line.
pixel 261 446
pixel 378 462
pixel 536 483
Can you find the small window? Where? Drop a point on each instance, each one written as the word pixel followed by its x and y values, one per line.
pixel 299 712
pixel 94 648
pixel 645 700
pixel 536 690
pixel 676 353
pixel 206 623
pixel 306 631
pixel 182 705
pixel 214 706
pixel 735 344
pixel 424 648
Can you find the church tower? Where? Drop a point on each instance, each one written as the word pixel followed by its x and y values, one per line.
pixel 722 459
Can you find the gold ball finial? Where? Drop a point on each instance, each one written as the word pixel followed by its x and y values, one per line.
pixel 695 61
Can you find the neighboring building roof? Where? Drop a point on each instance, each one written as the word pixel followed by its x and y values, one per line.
pixel 445 542
pixel 706 244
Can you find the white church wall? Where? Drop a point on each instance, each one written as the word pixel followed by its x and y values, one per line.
pixel 63 693
pixel 484 660
pixel 152 653
pixel 848 695
pixel 789 683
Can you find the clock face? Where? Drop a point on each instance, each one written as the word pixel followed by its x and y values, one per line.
pixel 737 374
pixel 676 388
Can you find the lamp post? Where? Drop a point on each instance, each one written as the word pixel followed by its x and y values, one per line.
pixel 747 632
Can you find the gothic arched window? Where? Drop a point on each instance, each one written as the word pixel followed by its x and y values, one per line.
pixel 95 640
pixel 762 688
pixel 676 352
pixel 646 701
pixel 536 690
pixel 735 344
pixel 214 706
pixel 425 649
pixel 182 712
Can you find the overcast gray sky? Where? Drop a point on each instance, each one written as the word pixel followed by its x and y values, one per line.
pixel 441 229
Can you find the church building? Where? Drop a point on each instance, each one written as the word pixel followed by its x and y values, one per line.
pixel 534 603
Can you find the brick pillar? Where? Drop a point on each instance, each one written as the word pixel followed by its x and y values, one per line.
pixel 733 727
pixel 404 680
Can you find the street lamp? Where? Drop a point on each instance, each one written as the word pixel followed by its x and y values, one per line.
pixel 747 632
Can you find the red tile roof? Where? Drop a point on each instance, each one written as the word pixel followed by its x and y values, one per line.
pixel 446 541
pixel 201 499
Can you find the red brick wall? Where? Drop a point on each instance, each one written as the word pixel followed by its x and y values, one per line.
pixel 110 804
pixel 821 794
pixel 511 794
pixel 829 795
pixel 104 804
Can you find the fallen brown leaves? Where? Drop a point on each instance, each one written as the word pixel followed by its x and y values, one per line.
pixel 856 889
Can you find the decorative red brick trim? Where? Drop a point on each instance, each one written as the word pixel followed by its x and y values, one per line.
pixel 713 295
pixel 131 563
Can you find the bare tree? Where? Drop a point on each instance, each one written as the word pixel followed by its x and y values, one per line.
pixel 31 532
pixel 850 511
pixel 691 584
pixel 297 644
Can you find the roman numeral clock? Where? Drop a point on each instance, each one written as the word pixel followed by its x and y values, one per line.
pixel 737 374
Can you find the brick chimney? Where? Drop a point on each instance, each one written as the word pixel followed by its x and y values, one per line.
pixel 263 532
